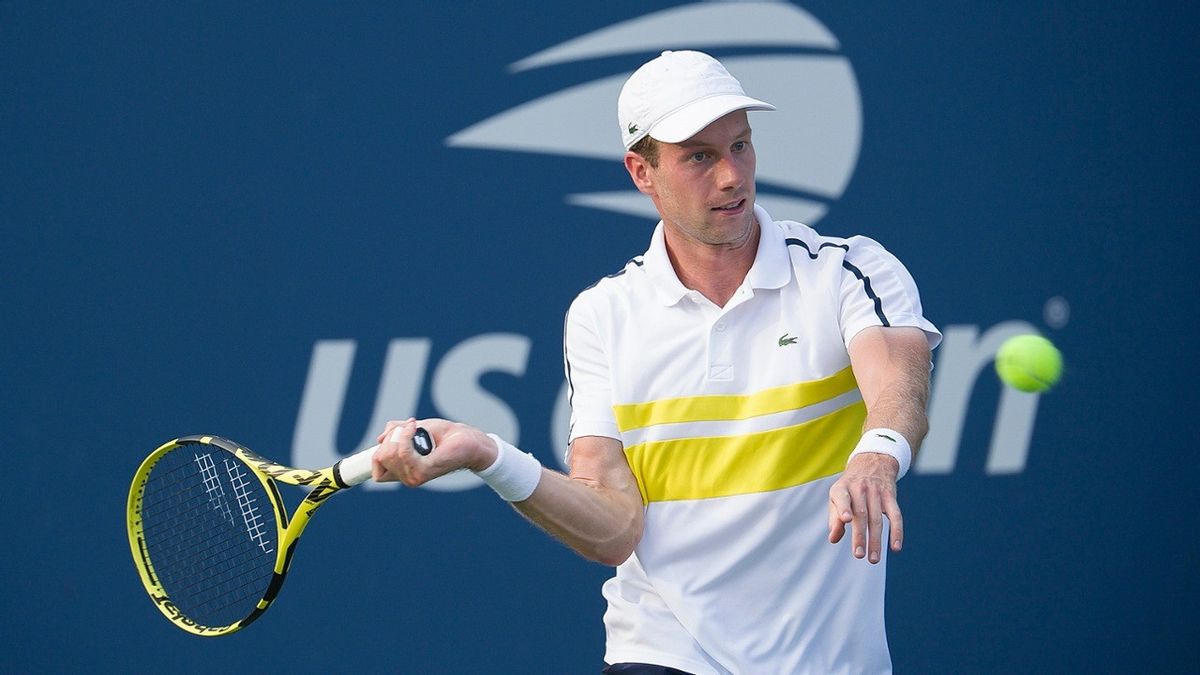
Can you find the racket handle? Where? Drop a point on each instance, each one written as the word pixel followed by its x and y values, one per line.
pixel 356 468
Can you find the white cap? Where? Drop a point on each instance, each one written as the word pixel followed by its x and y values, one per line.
pixel 676 95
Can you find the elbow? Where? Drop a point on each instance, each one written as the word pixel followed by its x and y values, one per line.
pixel 920 428
pixel 612 556
pixel 616 549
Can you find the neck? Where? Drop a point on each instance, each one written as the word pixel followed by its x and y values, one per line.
pixel 715 271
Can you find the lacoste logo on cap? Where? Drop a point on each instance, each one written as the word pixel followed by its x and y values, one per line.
pixel 633 128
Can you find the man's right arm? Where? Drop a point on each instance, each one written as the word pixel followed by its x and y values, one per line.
pixel 596 509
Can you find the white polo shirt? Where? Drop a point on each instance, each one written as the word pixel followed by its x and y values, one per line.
pixel 735 420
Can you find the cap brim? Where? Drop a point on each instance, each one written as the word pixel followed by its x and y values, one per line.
pixel 691 119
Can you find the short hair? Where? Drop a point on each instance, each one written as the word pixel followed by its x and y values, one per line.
pixel 648 149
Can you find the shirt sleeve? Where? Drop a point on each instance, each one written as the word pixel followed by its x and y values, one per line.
pixel 877 290
pixel 589 387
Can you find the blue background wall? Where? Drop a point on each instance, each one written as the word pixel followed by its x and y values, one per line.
pixel 193 196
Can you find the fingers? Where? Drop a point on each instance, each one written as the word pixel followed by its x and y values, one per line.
pixel 862 501
pixel 875 523
pixel 387 430
pixel 871 503
pixel 436 427
pixel 891 508
pixel 396 460
pixel 858 497
pixel 839 511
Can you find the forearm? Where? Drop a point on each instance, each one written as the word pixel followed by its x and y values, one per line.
pixel 597 510
pixel 901 406
pixel 601 523
pixel 892 369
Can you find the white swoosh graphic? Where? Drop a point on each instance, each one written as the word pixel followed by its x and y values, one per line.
pixel 634 203
pixel 569 122
pixel 811 144
pixel 692 27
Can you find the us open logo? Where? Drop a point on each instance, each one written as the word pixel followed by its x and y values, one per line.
pixel 808 149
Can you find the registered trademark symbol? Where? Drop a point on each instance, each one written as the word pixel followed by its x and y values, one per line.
pixel 1057 312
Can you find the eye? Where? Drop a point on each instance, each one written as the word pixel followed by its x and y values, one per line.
pixel 740 146
pixel 698 156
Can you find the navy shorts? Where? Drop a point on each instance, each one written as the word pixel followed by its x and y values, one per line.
pixel 640 669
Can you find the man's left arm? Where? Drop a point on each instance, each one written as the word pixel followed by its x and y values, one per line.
pixel 892 368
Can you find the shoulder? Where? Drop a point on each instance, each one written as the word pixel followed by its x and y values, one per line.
pixel 804 242
pixel 610 287
pixel 620 282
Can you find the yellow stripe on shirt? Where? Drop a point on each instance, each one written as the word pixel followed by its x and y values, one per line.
pixel 733 407
pixel 721 466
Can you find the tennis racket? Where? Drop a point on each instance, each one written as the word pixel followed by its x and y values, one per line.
pixel 209 534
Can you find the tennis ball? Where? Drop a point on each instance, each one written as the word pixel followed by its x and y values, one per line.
pixel 1030 363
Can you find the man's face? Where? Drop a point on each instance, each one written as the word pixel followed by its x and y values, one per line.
pixel 704 186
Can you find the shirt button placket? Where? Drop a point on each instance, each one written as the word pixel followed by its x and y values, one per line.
pixel 720 362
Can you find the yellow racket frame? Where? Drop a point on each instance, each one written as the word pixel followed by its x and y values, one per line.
pixel 323 484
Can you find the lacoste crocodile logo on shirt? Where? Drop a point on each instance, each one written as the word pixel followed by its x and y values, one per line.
pixel 785 340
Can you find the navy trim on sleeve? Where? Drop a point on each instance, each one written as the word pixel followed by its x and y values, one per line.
pixel 636 261
pixel 866 281
pixel 567 361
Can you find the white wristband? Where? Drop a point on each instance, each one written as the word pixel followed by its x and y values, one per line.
pixel 514 474
pixel 886 442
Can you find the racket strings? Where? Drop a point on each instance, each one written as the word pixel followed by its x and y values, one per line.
pixel 208 566
pixel 210 533
pixel 219 564
pixel 179 529
pixel 214 577
pixel 185 538
pixel 164 481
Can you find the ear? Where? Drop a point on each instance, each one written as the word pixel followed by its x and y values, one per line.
pixel 640 171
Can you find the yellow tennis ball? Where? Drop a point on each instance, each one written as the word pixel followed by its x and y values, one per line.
pixel 1030 363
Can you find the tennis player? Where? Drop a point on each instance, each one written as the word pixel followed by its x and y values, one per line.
pixel 742 394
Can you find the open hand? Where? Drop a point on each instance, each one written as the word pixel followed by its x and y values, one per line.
pixel 865 493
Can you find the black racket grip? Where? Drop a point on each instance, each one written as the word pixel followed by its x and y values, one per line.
pixel 422 442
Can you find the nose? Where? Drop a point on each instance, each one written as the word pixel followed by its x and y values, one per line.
pixel 731 174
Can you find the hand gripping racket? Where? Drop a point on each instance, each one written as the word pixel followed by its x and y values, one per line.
pixel 210 537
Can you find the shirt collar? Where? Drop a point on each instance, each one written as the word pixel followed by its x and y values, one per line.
pixel 657 264
pixel 771 268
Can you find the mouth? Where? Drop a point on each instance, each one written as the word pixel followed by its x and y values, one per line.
pixel 731 207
